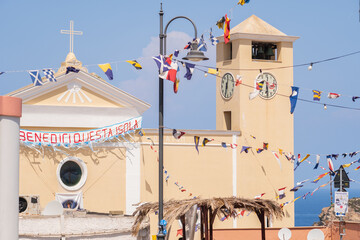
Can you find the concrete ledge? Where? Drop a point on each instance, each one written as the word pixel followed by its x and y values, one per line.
pixel 10 106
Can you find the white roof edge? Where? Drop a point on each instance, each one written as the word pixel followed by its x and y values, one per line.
pixel 29 92
pixel 260 37
pixel 195 132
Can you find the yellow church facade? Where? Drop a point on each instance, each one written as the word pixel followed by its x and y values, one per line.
pixel 121 170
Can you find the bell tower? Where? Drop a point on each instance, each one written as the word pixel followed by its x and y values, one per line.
pixel 255 46
pixel 259 106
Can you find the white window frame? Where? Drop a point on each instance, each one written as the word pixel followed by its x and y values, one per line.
pixel 84 173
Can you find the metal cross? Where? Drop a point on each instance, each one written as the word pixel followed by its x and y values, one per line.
pixel 72 33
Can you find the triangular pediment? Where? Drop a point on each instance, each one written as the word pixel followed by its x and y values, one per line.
pixel 255 25
pixel 81 95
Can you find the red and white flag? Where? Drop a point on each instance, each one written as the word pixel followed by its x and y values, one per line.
pixel 330 163
pixel 333 95
pixel 259 196
pixel 277 158
pixel 281 192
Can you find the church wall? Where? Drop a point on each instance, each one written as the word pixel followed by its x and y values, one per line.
pixel 104 189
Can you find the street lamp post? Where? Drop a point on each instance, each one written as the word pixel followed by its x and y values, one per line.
pixel 193 55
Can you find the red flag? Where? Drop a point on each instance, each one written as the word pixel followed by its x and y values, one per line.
pixel 227 29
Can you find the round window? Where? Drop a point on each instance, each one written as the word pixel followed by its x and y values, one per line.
pixel 72 173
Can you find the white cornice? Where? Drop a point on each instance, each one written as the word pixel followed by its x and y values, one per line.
pixel 260 37
pixel 87 80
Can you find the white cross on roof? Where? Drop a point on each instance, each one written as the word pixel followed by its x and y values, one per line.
pixel 71 32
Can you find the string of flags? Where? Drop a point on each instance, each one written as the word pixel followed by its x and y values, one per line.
pixel 281 192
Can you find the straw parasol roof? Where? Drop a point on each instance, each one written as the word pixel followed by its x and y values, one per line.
pixel 174 209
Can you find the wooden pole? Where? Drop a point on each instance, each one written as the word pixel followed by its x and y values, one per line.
pixel 206 223
pixel 261 217
pixel 202 223
pixel 182 219
pixel 210 223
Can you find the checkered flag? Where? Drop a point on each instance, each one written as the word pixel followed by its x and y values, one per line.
pixel 49 74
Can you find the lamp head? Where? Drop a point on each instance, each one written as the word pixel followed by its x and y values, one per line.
pixel 194 54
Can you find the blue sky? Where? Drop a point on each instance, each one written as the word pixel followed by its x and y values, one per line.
pixel 115 31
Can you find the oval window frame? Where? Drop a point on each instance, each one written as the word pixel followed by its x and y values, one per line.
pixel 83 178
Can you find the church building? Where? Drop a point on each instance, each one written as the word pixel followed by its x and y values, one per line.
pixel 82 143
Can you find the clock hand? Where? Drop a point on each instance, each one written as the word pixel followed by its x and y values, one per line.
pixel 226 87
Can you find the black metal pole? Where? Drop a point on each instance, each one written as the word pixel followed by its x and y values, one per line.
pixel 160 234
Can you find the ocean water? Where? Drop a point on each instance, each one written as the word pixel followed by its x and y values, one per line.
pixel 307 210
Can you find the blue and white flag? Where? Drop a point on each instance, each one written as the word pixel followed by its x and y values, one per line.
pixel 162 64
pixel 176 53
pixel 49 74
pixel 293 98
pixel 35 77
pixel 202 45
pixel 317 161
pixel 189 70
pixel 213 39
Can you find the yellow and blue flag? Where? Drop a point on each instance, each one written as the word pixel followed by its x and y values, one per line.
pixel 107 70
pixel 197 140
pixel 317 95
pixel 135 64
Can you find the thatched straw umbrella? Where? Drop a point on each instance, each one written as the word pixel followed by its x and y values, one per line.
pixel 176 209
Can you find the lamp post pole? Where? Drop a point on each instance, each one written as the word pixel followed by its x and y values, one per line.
pixel 193 55
pixel 161 235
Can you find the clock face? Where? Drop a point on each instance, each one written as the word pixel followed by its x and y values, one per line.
pixel 227 86
pixel 267 85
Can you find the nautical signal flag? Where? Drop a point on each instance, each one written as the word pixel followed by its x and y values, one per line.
pixel 72 69
pixel 107 70
pixel 227 30
pixel 265 146
pixel 161 63
pixel 277 159
pixel 354 98
pixel 177 134
pixel 223 144
pixel 176 85
pixel 135 64
pixel 202 44
pixel 171 73
pixel 259 196
pixel 259 150
pixel 35 77
pixel 317 161
pixel 49 74
pixel 188 45
pixel 281 192
pixel 320 177
pixel 333 95
pixel 245 149
pixel 242 2
pixel 189 70
pixel 317 95
pixel 260 85
pixel 213 39
pixel 330 163
pixel 212 71
pixel 205 141
pixel 357 168
pixel 220 23
pixel 196 140
pixel 294 189
pixel 238 80
pixel 306 157
pixel 293 98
